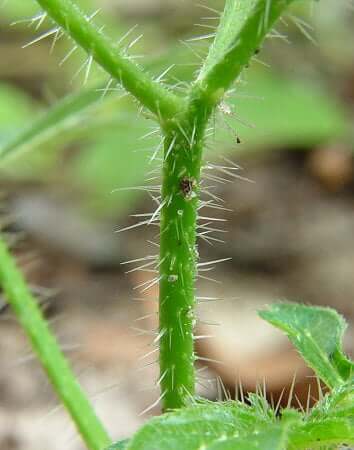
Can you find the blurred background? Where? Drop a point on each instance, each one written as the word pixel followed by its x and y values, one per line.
pixel 77 145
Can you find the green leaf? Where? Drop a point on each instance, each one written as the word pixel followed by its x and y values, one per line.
pixel 120 445
pixel 236 426
pixel 188 429
pixel 197 426
pixel 326 433
pixel 339 403
pixel 272 438
pixel 317 333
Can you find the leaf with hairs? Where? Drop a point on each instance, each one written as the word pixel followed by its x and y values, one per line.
pixel 339 403
pixel 198 426
pixel 317 333
pixel 120 445
pixel 273 437
pixel 327 433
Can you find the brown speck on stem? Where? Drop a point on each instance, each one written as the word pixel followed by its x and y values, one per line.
pixel 186 186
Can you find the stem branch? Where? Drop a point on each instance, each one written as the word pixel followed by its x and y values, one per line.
pixel 178 261
pixel 51 357
pixel 74 22
pixel 242 29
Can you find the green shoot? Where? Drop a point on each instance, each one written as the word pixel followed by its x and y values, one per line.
pixel 49 354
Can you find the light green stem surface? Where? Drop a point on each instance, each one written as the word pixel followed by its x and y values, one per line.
pixel 178 263
pixel 238 36
pixel 98 46
pixel 51 357
pixel 242 30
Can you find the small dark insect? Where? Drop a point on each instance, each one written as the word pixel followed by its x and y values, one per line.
pixel 186 186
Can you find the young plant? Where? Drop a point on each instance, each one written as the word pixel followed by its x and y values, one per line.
pixel 191 423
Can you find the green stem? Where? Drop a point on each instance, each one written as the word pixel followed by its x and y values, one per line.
pixel 178 260
pixel 233 47
pixel 48 351
pixel 74 22
pixel 242 29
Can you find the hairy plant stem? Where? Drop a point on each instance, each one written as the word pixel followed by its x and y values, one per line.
pixel 48 351
pixel 184 139
pixel 153 95
pixel 243 26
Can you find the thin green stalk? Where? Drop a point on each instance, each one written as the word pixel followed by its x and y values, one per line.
pixel 242 30
pixel 106 53
pixel 178 262
pixel 243 27
pixel 51 357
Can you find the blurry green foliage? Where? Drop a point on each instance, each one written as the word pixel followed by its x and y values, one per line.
pixel 13 9
pixel 285 112
pixel 116 160
pixel 16 108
